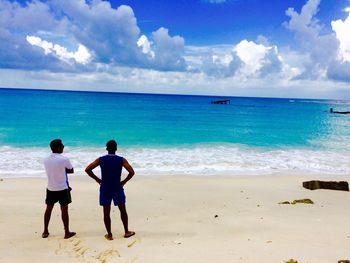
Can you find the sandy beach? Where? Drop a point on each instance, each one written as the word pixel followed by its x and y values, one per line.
pixel 181 219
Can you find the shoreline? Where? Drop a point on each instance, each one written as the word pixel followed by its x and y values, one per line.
pixel 181 219
pixel 203 160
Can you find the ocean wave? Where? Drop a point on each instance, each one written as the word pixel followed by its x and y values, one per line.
pixel 200 160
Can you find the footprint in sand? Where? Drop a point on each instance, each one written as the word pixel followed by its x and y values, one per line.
pixel 107 254
pixel 73 247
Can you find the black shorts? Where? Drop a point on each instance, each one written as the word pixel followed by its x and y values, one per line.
pixel 63 197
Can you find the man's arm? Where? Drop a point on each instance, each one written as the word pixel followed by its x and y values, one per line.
pixel 69 167
pixel 131 171
pixel 90 173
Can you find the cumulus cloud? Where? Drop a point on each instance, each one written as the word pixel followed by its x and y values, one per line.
pixel 168 50
pixel 145 44
pixel 95 27
pixel 246 59
pixel 82 55
pixel 251 54
pixel 325 55
pixel 225 65
pixel 111 33
pixel 342 30
pixel 114 36
pixel 15 22
pixel 259 60
pixel 94 37
pixel 321 48
pixel 339 71
pixel 36 41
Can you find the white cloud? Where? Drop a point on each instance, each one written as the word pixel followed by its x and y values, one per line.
pixel 168 50
pixel 144 43
pixel 251 54
pixel 92 36
pixel 95 27
pixel 36 41
pixel 82 55
pixel 342 30
pixel 110 33
pixel 259 60
pixel 225 65
pixel 114 36
pixel 319 49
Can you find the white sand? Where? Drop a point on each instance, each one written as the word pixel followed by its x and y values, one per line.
pixel 175 221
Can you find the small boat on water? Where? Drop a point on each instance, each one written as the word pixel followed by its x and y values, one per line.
pixel 339 112
pixel 220 102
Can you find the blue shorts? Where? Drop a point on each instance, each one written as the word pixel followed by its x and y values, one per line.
pixel 106 197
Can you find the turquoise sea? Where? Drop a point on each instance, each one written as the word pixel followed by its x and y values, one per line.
pixel 174 134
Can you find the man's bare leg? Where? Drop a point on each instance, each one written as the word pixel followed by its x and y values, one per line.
pixel 124 218
pixel 65 219
pixel 47 217
pixel 107 221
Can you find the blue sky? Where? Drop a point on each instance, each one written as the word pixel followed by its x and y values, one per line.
pixel 276 48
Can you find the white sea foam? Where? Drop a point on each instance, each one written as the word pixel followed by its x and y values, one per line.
pixel 201 160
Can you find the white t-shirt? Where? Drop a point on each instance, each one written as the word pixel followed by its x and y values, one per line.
pixel 55 166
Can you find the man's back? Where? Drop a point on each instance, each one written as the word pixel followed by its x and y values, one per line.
pixel 55 166
pixel 111 170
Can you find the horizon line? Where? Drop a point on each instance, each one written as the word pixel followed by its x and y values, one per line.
pixel 161 94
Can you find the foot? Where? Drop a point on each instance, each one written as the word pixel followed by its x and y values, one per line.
pixel 108 236
pixel 69 235
pixel 45 234
pixel 129 234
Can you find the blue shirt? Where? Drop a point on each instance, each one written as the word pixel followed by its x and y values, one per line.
pixel 111 171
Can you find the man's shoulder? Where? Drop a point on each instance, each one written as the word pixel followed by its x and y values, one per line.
pixel 56 158
pixel 109 158
pixel 61 157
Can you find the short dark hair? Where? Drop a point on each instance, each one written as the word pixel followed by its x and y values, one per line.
pixel 111 145
pixel 56 144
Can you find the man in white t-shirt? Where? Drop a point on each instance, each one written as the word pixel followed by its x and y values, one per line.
pixel 57 167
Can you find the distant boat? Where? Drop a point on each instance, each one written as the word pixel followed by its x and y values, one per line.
pixel 339 112
pixel 220 102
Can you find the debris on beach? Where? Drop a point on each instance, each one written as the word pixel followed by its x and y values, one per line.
pixel 132 243
pixel 177 242
pixel 284 203
pixel 297 201
pixel 331 185
pixel 343 261
pixel 291 261
pixel 216 216
pixel 302 201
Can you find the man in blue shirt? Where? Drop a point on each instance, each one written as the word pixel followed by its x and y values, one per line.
pixel 111 185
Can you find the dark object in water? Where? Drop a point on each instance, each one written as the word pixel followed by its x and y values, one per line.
pixel 312 185
pixel 339 112
pixel 220 102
